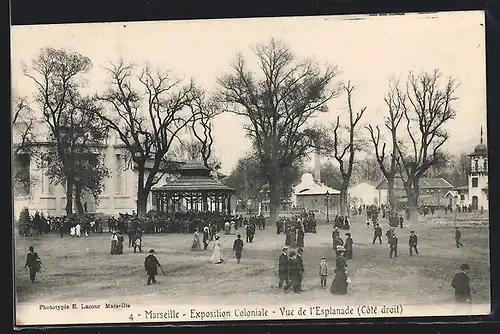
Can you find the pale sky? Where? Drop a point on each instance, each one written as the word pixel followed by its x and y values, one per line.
pixel 367 49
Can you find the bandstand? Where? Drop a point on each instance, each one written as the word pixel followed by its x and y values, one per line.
pixel 195 189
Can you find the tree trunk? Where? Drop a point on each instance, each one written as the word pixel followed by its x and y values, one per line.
pixel 142 203
pixel 69 198
pixel 142 193
pixel 412 195
pixel 343 201
pixel 390 193
pixel 78 200
pixel 274 200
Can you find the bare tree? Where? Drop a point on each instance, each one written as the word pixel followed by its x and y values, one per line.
pixel 278 105
pixel 57 74
pixel 22 122
pixel 202 130
pixel 148 119
pixel 395 101
pixel 427 107
pixel 343 148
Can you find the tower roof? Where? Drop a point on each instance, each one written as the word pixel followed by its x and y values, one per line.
pixel 481 149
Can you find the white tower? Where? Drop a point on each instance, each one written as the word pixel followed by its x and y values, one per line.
pixel 478 176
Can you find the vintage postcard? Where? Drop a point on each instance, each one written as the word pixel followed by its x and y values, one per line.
pixel 250 169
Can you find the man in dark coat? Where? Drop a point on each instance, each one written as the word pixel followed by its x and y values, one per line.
pixel 238 248
pixel 377 234
pixel 458 236
pixel 151 265
pixel 293 273
pixel 34 263
pixel 461 285
pixel 412 242
pixel 393 244
pixel 300 266
pixel 283 268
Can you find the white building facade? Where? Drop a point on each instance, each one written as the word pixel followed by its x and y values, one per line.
pixel 119 194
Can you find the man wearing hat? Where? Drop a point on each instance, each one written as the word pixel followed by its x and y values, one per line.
pixel 151 265
pixel 412 242
pixel 293 273
pixel 393 244
pixel 300 266
pixel 461 285
pixel 283 267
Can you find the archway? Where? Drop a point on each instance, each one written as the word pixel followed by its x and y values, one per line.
pixel 474 202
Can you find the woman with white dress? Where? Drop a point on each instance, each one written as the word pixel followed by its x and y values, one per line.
pixel 217 252
pixel 78 230
pixel 114 243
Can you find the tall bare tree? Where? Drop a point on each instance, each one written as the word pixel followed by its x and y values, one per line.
pixel 147 111
pixel 22 122
pixel 427 107
pixel 57 74
pixel 277 103
pixel 344 144
pixel 202 130
pixel 388 161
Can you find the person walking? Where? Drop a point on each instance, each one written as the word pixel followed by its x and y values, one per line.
pixel 151 265
pixel 458 236
pixel 323 272
pixel 412 242
pixel 461 284
pixel 283 268
pixel 238 248
pixel 34 263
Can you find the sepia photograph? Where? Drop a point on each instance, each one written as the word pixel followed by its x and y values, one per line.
pixel 286 168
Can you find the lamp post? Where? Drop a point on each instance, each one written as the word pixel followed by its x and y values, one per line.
pixel 327 215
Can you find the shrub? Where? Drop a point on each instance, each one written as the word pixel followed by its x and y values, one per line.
pixel 24 219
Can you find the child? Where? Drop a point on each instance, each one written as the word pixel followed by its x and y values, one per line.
pixel 368 222
pixel 323 271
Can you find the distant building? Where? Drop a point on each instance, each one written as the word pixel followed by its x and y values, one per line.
pixel 433 191
pixel 475 193
pixel 312 196
pixel 363 193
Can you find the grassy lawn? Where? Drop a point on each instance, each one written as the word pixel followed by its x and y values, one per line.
pixel 82 269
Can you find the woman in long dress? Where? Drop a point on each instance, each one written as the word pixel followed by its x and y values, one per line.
pixel 217 252
pixel 339 284
pixel 196 246
pixel 78 230
pixel 114 242
pixel 119 244
pixel 300 238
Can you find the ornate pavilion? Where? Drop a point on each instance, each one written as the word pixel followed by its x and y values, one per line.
pixel 194 189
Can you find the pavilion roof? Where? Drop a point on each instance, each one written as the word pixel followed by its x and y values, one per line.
pixel 193 183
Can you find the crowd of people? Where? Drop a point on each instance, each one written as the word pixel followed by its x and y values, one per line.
pixel 207 226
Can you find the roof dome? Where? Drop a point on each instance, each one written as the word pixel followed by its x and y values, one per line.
pixel 480 148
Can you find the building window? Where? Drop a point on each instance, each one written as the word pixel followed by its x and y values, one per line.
pixel 474 182
pixel 462 197
pixel 476 165
pixel 50 186
pixel 485 164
